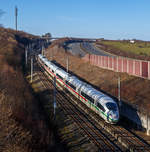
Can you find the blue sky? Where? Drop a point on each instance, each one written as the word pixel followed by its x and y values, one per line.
pixel 110 19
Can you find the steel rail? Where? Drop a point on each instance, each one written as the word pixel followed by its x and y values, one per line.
pixel 98 136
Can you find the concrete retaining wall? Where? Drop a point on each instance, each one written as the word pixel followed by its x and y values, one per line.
pixel 139 118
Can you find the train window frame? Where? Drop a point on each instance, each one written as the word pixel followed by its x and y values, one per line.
pixel 71 85
pixel 100 107
pixel 87 97
pixel 59 76
pixel 109 106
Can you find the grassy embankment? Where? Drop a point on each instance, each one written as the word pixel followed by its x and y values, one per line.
pixel 138 50
pixel 22 126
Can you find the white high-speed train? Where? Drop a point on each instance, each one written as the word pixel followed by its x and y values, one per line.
pixel 102 104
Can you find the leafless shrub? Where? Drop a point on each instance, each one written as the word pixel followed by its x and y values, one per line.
pixel 19 115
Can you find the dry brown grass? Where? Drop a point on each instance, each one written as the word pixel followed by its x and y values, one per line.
pixel 22 126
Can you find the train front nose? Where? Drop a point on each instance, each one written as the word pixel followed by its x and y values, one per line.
pixel 113 117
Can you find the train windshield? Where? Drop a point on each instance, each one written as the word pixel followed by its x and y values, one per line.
pixel 111 106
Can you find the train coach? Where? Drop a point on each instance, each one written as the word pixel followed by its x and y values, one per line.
pixel 102 104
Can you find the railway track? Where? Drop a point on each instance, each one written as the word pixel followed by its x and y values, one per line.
pixel 126 137
pixel 105 136
pixel 95 135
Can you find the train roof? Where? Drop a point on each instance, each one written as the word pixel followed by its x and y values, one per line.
pixel 95 94
pixel 53 66
pixel 75 81
pixel 105 99
pixel 49 64
pixel 62 73
pixel 90 91
pixel 47 61
pixel 43 58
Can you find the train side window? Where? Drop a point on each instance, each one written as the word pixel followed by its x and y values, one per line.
pixel 71 85
pixel 87 97
pixel 59 76
pixel 100 107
